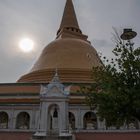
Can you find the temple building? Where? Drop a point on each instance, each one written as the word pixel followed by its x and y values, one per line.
pixel 45 100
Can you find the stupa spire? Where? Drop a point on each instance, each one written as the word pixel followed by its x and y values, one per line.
pixel 69 19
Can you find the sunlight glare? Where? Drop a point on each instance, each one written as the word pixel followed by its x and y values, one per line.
pixel 26 45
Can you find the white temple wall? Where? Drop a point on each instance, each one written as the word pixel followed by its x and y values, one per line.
pixel 13 113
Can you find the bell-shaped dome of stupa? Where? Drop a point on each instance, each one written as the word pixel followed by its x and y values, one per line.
pixel 70 53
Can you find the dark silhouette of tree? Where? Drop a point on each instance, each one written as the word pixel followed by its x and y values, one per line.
pixel 115 92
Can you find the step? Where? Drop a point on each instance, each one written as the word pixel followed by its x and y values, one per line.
pixel 50 138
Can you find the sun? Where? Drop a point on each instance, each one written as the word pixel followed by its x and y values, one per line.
pixel 26 45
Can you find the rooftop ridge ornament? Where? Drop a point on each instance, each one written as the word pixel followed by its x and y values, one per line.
pixel 56 72
pixel 56 78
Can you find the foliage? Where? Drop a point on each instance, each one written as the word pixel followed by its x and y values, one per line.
pixel 115 92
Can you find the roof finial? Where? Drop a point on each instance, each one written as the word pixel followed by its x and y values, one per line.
pixel 56 72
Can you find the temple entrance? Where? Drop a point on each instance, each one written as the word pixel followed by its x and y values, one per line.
pixel 90 120
pixel 53 119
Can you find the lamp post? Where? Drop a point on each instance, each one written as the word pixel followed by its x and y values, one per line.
pixel 128 34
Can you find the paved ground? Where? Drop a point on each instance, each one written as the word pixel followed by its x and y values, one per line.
pixel 15 136
pixel 79 136
pixel 108 136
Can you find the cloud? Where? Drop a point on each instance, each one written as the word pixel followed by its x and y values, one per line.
pixel 103 47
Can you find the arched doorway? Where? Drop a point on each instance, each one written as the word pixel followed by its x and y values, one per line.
pixel 90 120
pixel 3 120
pixel 53 119
pixel 23 121
pixel 133 124
pixel 71 121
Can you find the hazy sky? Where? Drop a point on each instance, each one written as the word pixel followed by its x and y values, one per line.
pixel 40 19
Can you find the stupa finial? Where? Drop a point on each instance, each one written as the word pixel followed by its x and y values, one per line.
pixel 69 18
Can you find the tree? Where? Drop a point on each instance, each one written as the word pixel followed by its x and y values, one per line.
pixel 115 92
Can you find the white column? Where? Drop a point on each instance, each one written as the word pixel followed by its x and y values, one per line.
pixel 99 123
pixel 36 125
pixel 79 124
pixel 63 117
pixel 67 115
pixel 14 120
pixel 82 119
pixel 34 119
pixel 43 117
pixel 76 119
pixel 31 119
pixel 10 120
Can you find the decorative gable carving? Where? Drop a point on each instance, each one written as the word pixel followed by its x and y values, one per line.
pixel 53 89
